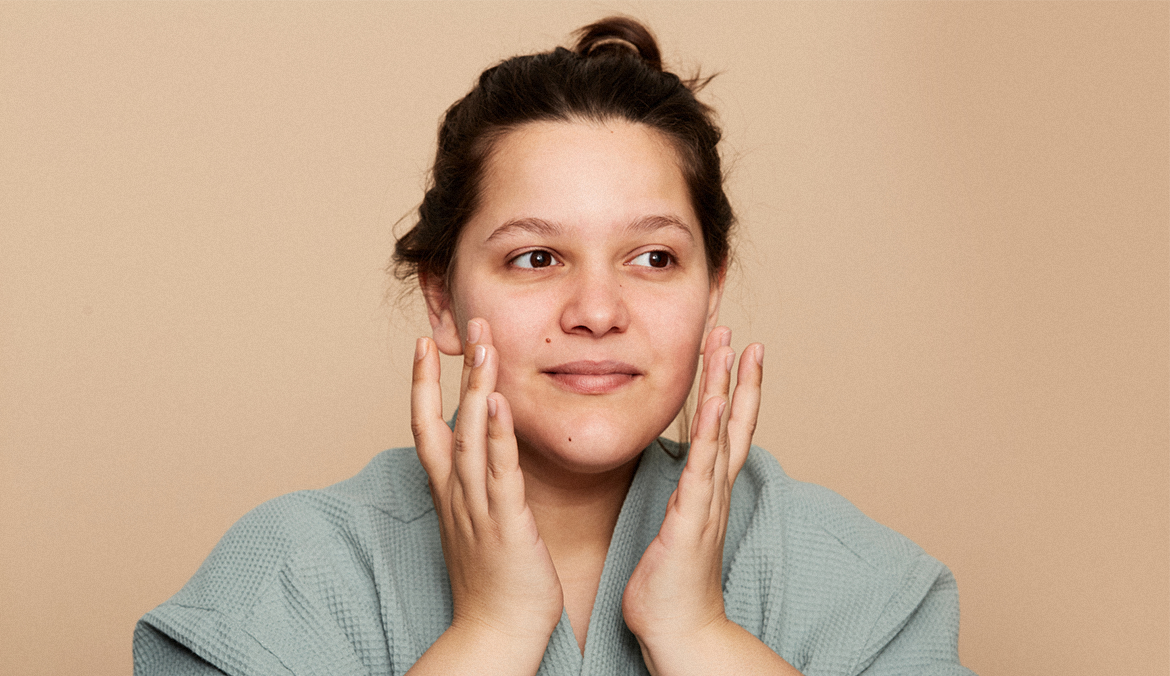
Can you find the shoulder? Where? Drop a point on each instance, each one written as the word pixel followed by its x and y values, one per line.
pixel 815 519
pixel 824 584
pixel 332 524
pixel 303 564
pixel 394 483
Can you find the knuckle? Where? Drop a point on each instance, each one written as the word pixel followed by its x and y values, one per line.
pixel 704 473
pixel 497 433
pixel 459 444
pixel 496 471
pixel 743 424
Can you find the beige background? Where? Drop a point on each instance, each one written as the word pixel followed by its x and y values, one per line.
pixel 955 244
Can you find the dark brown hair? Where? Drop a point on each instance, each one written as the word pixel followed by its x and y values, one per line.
pixel 613 72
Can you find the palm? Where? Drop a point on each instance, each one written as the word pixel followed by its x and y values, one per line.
pixel 676 589
pixel 502 576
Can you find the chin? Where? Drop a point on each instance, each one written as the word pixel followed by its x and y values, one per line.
pixel 588 449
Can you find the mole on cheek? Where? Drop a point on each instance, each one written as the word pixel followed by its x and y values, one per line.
pixel 548 340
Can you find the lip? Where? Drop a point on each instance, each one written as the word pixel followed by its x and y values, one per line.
pixel 593 377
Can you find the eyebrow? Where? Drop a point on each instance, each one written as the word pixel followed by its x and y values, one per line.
pixel 536 226
pixel 652 223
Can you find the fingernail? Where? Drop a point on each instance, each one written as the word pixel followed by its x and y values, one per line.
pixel 730 360
pixel 420 349
pixel 722 407
pixel 480 354
pixel 491 407
pixel 725 340
pixel 473 332
pixel 760 355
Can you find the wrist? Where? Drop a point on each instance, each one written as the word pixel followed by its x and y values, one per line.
pixel 719 647
pixel 499 637
pixel 697 651
pixel 475 647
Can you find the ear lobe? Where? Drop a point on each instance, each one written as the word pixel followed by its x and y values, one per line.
pixel 444 327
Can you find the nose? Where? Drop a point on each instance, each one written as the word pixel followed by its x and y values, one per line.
pixel 596 305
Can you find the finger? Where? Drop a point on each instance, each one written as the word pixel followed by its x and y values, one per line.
pixel 707 443
pixel 719 336
pixel 745 407
pixel 716 375
pixel 505 482
pixel 474 336
pixel 714 339
pixel 470 447
pixel 719 381
pixel 432 437
pixel 696 485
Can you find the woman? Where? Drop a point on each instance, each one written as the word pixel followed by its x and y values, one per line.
pixel 572 247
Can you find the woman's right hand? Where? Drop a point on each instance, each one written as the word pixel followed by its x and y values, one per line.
pixel 506 594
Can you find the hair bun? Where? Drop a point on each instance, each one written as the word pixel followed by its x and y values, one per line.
pixel 619 35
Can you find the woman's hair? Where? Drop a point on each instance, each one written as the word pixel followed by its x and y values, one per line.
pixel 613 72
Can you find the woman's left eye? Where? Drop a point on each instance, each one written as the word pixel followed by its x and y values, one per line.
pixel 653 259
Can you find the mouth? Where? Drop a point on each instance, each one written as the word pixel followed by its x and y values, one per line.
pixel 593 377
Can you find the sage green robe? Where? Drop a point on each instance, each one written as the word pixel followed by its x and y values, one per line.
pixel 350 580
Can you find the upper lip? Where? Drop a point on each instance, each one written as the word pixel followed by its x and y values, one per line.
pixel 586 367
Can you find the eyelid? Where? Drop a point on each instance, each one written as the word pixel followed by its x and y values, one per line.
pixel 672 259
pixel 512 261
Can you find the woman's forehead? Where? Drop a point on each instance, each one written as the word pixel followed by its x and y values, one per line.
pixel 617 172
pixel 655 223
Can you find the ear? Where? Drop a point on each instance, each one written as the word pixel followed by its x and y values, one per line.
pixel 444 326
pixel 716 295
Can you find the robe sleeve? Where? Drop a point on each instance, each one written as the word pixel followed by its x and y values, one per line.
pixel 286 591
pixel 924 642
pixel 829 589
pixel 156 654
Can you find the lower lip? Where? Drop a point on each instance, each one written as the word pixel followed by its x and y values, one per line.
pixel 592 384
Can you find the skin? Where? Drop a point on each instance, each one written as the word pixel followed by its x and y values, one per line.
pixel 581 300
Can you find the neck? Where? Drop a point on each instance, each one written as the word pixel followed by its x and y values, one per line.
pixel 574 512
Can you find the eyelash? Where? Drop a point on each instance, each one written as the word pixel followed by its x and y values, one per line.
pixel 666 254
pixel 527 256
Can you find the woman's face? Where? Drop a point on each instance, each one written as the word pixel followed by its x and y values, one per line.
pixel 587 261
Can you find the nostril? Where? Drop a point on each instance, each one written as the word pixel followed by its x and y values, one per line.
pixel 596 305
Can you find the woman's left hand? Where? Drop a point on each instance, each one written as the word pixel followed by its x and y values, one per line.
pixel 673 602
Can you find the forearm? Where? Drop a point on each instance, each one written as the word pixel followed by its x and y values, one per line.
pixel 722 648
pixel 480 651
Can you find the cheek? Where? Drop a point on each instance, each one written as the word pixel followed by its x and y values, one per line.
pixel 510 314
pixel 681 316
pixel 519 323
pixel 676 328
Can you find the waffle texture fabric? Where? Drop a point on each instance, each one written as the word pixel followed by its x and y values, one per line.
pixel 350 580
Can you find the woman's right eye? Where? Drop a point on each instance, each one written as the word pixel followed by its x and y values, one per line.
pixel 534 259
